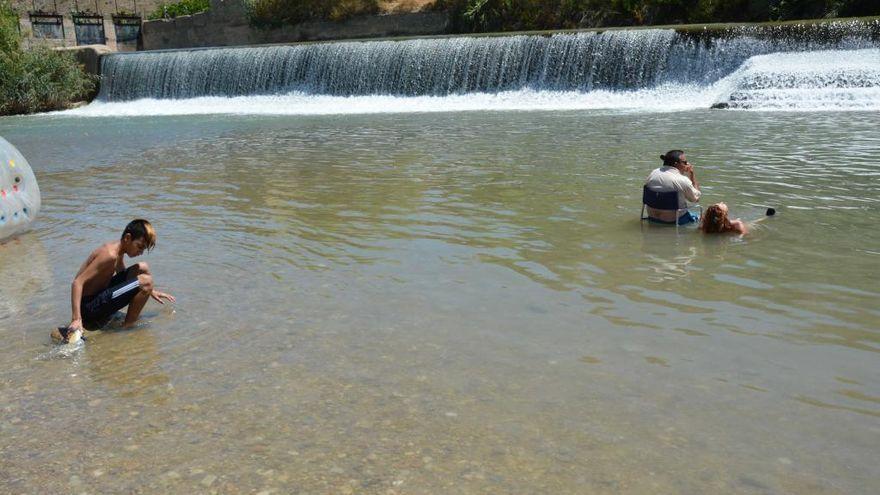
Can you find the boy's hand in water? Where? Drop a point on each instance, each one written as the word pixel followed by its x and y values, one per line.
pixel 76 325
pixel 158 296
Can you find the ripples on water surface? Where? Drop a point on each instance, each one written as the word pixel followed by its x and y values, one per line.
pixel 450 303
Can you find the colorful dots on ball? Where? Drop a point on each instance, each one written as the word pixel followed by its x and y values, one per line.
pixel 19 193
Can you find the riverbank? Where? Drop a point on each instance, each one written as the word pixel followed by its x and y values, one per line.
pixel 38 79
pixel 529 15
pixel 234 23
pixel 718 29
pixel 227 24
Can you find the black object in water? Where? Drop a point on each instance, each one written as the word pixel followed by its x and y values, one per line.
pixel 771 212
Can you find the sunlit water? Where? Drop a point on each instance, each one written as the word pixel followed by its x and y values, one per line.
pixel 450 303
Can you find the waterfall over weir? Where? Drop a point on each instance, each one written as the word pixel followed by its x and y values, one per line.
pixel 614 64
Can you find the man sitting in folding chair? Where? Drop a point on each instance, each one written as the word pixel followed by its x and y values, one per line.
pixel 676 175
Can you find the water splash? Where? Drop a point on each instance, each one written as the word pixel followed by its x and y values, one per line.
pixel 64 351
pixel 643 70
pixel 663 99
pixel 807 81
pixel 429 67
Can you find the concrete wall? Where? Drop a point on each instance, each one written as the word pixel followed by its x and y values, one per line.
pixel 226 24
pixel 105 8
pixel 89 56
pixel 69 39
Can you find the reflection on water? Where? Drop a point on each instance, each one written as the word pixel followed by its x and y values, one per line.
pixel 454 302
pixel 127 362
pixel 24 273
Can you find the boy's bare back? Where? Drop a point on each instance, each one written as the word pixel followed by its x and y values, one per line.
pixel 100 267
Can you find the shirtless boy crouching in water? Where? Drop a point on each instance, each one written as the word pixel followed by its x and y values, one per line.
pixel 103 285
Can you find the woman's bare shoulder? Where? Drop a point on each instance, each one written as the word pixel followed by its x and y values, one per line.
pixel 739 226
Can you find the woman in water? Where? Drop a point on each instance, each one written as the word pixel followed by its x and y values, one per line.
pixel 715 221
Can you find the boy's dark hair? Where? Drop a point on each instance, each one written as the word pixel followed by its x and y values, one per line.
pixel 671 157
pixel 141 229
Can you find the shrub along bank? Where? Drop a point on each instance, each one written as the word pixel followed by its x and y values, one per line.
pixel 274 13
pixel 527 15
pixel 177 9
pixel 39 79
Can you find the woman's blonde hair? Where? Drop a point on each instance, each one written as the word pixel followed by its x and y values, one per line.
pixel 141 229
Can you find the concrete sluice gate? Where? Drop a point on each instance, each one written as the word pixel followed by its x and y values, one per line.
pixel 19 193
pixel 828 64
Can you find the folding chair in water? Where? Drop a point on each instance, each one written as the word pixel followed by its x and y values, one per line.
pixel 664 201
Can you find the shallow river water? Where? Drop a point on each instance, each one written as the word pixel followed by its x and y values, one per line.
pixel 450 303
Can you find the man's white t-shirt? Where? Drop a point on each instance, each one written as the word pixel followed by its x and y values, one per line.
pixel 666 179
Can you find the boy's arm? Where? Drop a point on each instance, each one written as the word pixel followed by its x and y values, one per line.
pixel 99 263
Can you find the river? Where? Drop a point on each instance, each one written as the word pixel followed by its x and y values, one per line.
pixel 449 300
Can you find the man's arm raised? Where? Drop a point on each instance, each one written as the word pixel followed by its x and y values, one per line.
pixel 691 191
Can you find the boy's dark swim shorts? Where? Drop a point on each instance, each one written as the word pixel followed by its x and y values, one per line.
pixel 97 309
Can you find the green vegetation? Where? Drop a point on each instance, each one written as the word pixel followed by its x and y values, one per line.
pixel 36 80
pixel 177 9
pixel 783 10
pixel 274 13
pixel 526 15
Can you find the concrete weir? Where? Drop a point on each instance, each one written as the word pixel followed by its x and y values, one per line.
pixel 89 56
pixel 729 65
pixel 735 66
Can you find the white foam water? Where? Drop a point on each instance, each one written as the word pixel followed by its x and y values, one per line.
pixel 63 351
pixel 843 80
pixel 806 81
pixel 666 98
